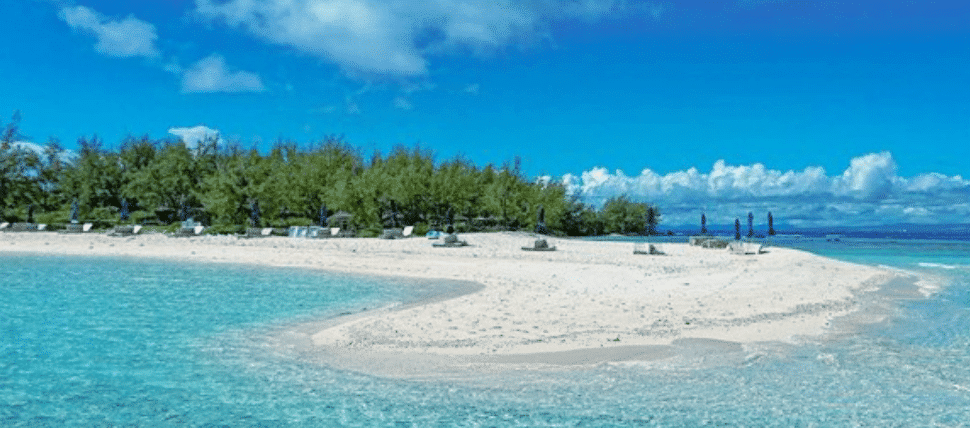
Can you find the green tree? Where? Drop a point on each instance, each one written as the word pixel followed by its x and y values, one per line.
pixel 620 215
pixel 19 167
pixel 454 186
pixel 95 178
pixel 167 181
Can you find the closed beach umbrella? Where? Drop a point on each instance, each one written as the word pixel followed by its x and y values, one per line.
pixel 124 210
pixel 541 220
pixel 737 229
pixel 30 213
pixel 74 209
pixel 323 216
pixel 254 213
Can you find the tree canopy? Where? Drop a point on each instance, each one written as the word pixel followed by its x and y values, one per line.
pixel 218 184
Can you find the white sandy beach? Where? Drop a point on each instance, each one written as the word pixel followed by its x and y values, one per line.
pixel 584 303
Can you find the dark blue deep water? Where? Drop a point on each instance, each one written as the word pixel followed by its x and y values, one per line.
pixel 124 342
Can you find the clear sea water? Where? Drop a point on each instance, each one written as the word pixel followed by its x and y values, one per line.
pixel 124 342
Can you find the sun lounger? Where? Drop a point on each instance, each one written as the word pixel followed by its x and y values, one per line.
pixel 78 228
pixel 539 245
pixel 22 227
pixel 4 225
pixel 391 234
pixel 745 248
pixel 397 233
pixel 125 230
pixel 255 232
pixel 41 227
pixel 648 249
pixel 336 232
pixel 189 228
pixel 451 241
pixel 714 243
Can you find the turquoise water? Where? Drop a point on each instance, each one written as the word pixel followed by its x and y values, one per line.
pixel 115 342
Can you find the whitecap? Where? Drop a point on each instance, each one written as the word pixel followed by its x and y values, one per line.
pixel 937 265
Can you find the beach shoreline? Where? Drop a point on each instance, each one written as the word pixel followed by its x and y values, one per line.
pixel 587 303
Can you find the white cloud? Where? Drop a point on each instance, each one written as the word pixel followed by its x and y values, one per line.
pixel 212 75
pixel 472 89
pixel 194 135
pixel 129 37
pixel 869 191
pixel 395 37
pixel 64 155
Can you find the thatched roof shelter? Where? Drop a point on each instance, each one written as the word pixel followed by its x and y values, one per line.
pixel 341 219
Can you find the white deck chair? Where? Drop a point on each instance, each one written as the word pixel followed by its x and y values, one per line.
pixel 198 229
pixel 334 231
pixel 41 227
pixel 407 231
pixel 267 231
pixel 4 225
pixel 136 229
pixel 87 227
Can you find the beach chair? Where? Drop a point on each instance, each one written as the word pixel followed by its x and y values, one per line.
pixel 189 228
pixel 391 234
pixel 407 232
pixel 315 232
pixel 648 249
pixel 451 241
pixel 334 232
pixel 23 227
pixel 87 227
pixel 41 227
pixel 125 230
pixel 540 245
pixel 4 225
pixel 745 248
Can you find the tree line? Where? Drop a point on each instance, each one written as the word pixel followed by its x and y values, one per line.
pixel 164 181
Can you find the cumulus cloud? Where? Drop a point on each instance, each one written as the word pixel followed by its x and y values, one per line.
pixel 395 37
pixel 212 75
pixel 192 136
pixel 869 191
pixel 64 155
pixel 129 37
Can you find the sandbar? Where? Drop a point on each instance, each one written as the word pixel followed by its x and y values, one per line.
pixel 585 303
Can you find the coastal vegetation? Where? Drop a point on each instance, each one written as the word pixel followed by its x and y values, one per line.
pixel 164 181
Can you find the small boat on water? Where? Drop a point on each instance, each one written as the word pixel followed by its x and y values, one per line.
pixel 835 237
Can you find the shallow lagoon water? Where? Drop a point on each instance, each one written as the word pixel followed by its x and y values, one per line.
pixel 112 342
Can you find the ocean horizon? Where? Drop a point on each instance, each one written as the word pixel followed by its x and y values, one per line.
pixel 114 341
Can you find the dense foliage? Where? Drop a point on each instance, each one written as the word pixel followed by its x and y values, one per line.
pixel 164 180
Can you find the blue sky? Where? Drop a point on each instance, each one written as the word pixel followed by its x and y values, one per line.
pixel 823 112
